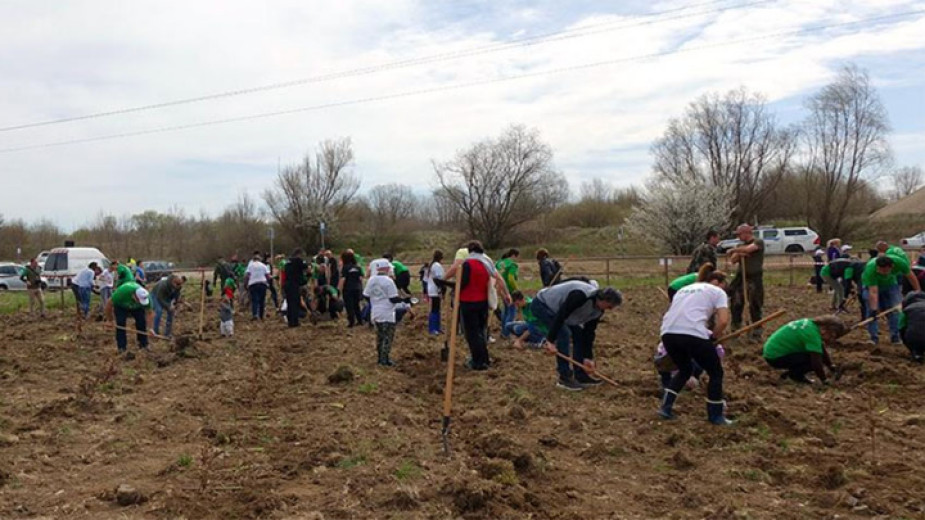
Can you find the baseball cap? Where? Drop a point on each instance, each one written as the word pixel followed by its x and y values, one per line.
pixel 141 294
pixel 462 253
pixel 379 264
pixel 845 248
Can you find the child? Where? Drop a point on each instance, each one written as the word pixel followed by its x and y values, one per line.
pixel 530 331
pixel 384 301
pixel 229 287
pixel 912 325
pixel 226 315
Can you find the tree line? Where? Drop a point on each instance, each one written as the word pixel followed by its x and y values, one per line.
pixel 725 160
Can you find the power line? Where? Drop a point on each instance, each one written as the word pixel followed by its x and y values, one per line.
pixel 529 41
pixel 459 86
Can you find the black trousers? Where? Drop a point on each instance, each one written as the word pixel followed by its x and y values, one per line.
pixel 272 286
pixel 475 324
pixel 293 305
pixel 352 305
pixel 683 349
pixel 403 281
pixel 797 363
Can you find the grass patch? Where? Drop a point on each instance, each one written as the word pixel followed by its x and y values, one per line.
pixel 368 388
pixel 352 462
pixel 185 460
pixel 408 470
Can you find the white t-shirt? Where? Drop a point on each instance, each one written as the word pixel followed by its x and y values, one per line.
pixel 105 278
pixel 691 308
pixel 257 272
pixel 380 289
pixel 84 278
pixel 435 272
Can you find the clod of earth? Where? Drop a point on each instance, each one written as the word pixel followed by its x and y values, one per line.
pixel 126 495
pixel 343 374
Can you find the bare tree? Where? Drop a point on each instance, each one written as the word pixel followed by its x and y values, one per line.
pixel 315 191
pixel 391 204
pixel 845 135
pixel 905 181
pixel 676 214
pixel 498 184
pixel 729 141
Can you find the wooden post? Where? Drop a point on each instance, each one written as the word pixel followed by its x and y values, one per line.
pixel 202 301
pixel 791 270
pixel 64 283
pixel 667 281
pixel 608 271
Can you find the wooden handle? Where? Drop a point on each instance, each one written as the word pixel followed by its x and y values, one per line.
pixel 600 376
pixel 558 273
pixel 150 334
pixel 872 318
pixel 450 366
pixel 755 325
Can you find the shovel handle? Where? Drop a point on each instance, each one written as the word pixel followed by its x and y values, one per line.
pixel 600 376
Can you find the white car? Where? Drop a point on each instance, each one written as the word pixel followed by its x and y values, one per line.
pixel 914 241
pixel 780 240
pixel 10 278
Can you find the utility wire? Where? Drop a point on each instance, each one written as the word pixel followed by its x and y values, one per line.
pixel 567 34
pixel 459 86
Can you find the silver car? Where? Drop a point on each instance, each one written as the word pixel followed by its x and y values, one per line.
pixel 9 278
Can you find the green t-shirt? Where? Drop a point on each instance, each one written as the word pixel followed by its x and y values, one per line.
pixel 531 319
pixel 509 272
pixel 795 337
pixel 123 275
pixel 124 297
pixel 871 277
pixel 230 284
pixel 399 267
pixel 825 271
pixel 682 281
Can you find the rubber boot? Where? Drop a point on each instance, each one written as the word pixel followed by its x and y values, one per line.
pixel 667 402
pixel 715 413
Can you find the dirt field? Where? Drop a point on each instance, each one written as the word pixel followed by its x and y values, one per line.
pixel 254 428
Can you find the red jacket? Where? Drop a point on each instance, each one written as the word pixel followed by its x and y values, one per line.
pixel 476 290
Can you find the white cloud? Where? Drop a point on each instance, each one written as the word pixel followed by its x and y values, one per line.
pixel 82 57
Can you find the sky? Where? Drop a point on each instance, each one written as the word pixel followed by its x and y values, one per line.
pixel 415 81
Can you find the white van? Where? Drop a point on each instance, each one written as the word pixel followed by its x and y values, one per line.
pixel 66 262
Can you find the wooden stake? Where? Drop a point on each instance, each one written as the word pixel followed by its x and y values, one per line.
pixel 450 368
pixel 665 294
pixel 755 325
pixel 872 318
pixel 202 303
pixel 743 262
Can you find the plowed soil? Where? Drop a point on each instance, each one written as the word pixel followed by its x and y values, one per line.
pixel 257 427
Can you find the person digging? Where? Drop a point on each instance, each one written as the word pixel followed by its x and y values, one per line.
pixel 688 338
pixel 799 347
pixel 570 311
pixel 130 299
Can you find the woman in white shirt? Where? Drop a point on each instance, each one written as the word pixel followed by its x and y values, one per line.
pixel 434 292
pixel 256 277
pixel 686 336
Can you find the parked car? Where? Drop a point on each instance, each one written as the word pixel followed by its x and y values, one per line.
pixel 10 278
pixel 65 262
pixel 914 240
pixel 156 269
pixel 779 240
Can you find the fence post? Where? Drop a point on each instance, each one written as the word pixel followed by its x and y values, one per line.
pixel 607 263
pixel 667 281
pixel 65 282
pixel 791 270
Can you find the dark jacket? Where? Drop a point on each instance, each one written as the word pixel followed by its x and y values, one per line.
pixel 548 270
pixel 914 310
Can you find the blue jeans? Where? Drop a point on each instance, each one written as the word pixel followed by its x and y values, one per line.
pixel 158 312
pixel 886 297
pixel 507 316
pixel 258 293
pixel 83 300
pixel 518 328
pixel 566 335
pixel 141 325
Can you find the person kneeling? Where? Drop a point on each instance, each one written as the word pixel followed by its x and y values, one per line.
pixel 799 347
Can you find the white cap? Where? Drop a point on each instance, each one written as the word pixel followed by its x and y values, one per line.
pixel 141 294
pixel 380 264
pixel 462 253
pixel 845 247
